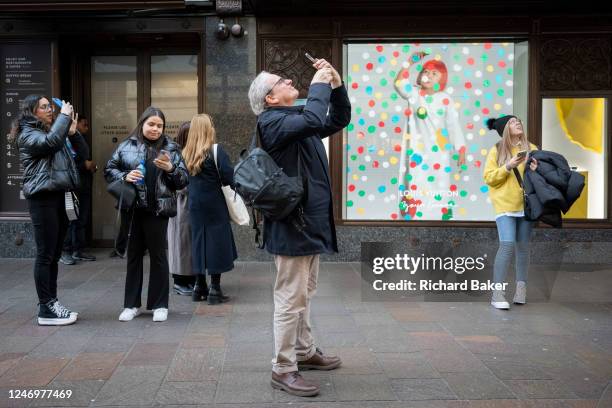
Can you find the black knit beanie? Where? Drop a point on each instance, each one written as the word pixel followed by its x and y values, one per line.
pixel 499 124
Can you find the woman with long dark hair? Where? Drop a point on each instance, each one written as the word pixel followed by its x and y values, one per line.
pixel 152 162
pixel 49 172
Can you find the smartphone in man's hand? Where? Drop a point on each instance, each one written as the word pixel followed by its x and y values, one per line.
pixel 310 58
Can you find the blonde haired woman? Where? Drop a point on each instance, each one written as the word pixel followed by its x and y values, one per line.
pixel 213 247
pixel 514 230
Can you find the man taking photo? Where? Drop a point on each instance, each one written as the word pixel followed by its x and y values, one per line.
pixel 292 136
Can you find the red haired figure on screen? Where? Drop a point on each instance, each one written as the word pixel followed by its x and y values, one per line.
pixel 432 137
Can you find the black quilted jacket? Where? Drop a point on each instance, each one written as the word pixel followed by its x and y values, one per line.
pixel 46 160
pixel 126 158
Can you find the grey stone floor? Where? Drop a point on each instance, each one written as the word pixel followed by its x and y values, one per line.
pixel 395 354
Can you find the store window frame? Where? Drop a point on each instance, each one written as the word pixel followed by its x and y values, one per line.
pixel 337 149
pixel 143 63
pixel 605 222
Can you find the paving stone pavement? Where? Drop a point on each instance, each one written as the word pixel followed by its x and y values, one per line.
pixel 395 354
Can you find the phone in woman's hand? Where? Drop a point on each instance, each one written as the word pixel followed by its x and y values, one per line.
pixel 522 154
pixel 163 155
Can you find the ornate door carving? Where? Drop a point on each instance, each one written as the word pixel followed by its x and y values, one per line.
pixel 286 58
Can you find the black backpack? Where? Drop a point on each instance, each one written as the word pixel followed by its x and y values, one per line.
pixel 266 188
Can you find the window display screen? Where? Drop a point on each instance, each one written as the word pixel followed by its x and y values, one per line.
pixel 417 142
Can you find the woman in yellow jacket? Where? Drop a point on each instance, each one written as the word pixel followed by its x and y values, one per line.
pixel 514 231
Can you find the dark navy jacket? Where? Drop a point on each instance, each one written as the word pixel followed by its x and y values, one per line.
pixel 287 131
pixel 551 189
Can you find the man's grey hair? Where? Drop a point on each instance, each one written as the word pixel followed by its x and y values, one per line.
pixel 258 90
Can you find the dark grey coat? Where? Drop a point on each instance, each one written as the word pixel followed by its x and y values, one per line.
pixel 292 130
pixel 212 240
pixel 551 189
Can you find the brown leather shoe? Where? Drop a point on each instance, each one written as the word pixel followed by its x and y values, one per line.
pixel 294 384
pixel 320 362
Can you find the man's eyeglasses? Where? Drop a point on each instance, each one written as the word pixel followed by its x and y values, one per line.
pixel 280 80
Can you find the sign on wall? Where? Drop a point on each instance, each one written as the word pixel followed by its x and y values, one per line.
pixel 25 68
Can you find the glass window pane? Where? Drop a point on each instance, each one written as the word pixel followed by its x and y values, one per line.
pixel 576 129
pixel 114 115
pixel 174 88
pixel 417 142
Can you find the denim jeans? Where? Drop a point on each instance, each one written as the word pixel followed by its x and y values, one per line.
pixel 514 236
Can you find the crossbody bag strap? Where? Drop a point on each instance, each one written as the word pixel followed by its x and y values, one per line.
pixel 519 179
pixel 215 160
pixel 118 223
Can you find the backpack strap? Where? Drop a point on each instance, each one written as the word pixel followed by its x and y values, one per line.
pixel 256 139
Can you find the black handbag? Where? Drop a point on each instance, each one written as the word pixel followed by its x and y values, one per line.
pixel 124 192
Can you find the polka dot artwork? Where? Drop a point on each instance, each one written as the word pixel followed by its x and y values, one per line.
pixel 417 142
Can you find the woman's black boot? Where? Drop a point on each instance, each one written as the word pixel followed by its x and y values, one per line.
pixel 200 290
pixel 215 295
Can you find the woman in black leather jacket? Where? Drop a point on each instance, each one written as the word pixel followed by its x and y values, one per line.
pixel 48 172
pixel 164 173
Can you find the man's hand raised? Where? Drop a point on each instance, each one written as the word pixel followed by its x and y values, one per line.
pixel 324 75
pixel 336 80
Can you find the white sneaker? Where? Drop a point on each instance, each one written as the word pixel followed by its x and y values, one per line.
pixel 520 296
pixel 129 313
pixel 498 300
pixel 160 315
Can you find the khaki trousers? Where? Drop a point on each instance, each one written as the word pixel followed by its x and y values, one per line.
pixel 296 284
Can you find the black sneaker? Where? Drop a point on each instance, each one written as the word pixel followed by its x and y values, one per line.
pixel 64 308
pixel 54 314
pixel 185 290
pixel 115 254
pixel 67 259
pixel 81 256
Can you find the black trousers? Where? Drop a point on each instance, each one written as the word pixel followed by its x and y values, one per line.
pixel 75 238
pixel 148 232
pixel 50 222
